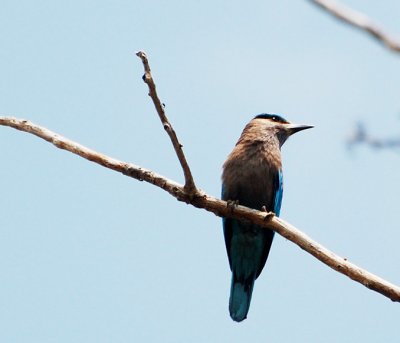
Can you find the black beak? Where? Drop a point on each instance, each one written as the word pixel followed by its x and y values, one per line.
pixel 293 128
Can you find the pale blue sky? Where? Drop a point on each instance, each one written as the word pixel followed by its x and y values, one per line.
pixel 88 255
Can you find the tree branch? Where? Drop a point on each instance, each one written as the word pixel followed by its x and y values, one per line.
pixel 214 205
pixel 360 21
pixel 190 186
pixel 361 136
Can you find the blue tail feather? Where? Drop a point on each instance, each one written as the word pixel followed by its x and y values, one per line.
pixel 239 301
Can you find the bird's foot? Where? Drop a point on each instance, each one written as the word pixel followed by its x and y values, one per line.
pixel 231 204
pixel 269 215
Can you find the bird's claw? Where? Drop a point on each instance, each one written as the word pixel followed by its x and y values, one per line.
pixel 231 204
pixel 268 217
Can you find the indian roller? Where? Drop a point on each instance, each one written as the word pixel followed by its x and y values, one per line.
pixel 252 177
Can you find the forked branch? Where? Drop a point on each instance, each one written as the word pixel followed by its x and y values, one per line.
pixel 191 195
pixel 361 136
pixel 214 205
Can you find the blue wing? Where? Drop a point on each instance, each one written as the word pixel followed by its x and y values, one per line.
pixel 227 226
pixel 278 184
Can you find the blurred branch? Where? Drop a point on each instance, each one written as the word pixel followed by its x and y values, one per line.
pixel 360 136
pixel 360 21
pixel 214 205
pixel 190 186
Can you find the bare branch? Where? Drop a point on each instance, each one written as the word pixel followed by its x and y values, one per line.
pixel 190 186
pixel 360 136
pixel 216 206
pixel 360 21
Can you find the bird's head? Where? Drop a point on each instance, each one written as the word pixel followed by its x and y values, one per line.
pixel 277 125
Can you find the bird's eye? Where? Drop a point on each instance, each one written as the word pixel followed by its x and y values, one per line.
pixel 272 117
pixel 278 119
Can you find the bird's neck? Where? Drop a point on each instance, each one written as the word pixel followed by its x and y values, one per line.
pixel 257 149
pixel 267 150
pixel 256 134
pixel 259 138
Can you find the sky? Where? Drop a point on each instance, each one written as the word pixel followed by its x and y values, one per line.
pixel 90 255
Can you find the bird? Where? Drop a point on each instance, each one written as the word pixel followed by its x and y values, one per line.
pixel 252 177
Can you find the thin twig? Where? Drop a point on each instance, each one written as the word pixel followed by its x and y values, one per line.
pixel 214 205
pixel 360 21
pixel 190 186
pixel 361 136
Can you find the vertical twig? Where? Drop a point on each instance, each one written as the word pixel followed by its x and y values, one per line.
pixel 190 186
